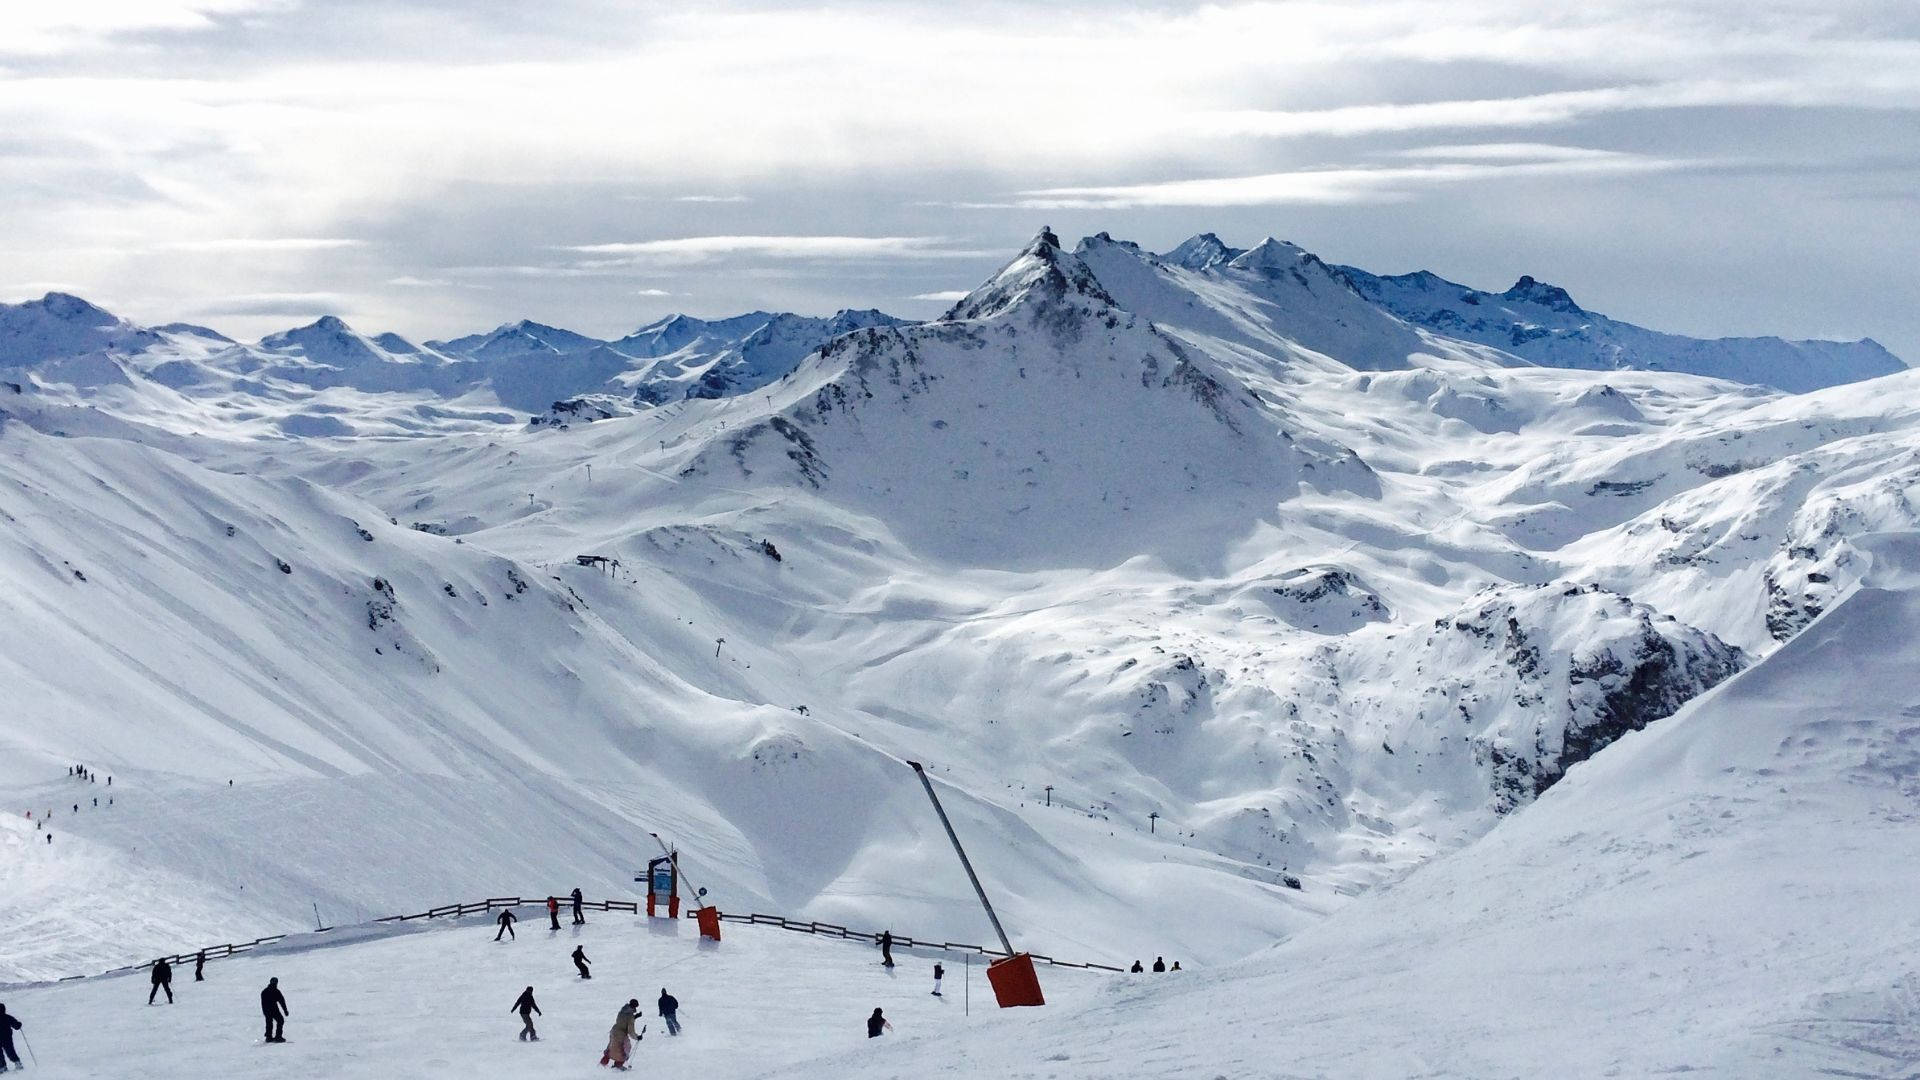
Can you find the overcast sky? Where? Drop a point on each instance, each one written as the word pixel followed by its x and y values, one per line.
pixel 441 166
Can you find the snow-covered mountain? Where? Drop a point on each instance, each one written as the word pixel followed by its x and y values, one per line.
pixel 1542 323
pixel 1203 542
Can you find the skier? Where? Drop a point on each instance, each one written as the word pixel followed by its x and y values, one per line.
pixel 877 1024
pixel 620 1037
pixel 670 1011
pixel 274 1005
pixel 506 925
pixel 553 911
pixel 580 961
pixel 526 1007
pixel 886 948
pixel 200 966
pixel 162 980
pixel 8 1025
pixel 1136 969
pixel 579 919
pixel 1159 964
pixel 938 974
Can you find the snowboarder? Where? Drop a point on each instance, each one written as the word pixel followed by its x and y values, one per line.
pixel 670 1011
pixel 938 974
pixel 1159 964
pixel 274 1005
pixel 620 1037
pixel 506 925
pixel 580 961
pixel 1136 969
pixel 200 966
pixel 8 1025
pixel 162 980
pixel 877 1024
pixel 553 911
pixel 579 919
pixel 527 1007
pixel 886 948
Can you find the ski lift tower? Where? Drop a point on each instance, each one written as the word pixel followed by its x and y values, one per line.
pixel 1012 977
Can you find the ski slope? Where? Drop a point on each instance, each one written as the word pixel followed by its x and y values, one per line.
pixel 421 1002
pixel 1725 894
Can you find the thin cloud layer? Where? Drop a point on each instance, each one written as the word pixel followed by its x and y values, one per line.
pixel 445 166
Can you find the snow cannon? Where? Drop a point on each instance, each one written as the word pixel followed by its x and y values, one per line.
pixel 1013 978
pixel 663 886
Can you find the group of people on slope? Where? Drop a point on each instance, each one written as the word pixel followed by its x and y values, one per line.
pixel 508 918
pixel 1159 964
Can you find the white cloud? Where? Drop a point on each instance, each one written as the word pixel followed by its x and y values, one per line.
pixel 653 292
pixel 44 29
pixel 261 244
pixel 945 296
pixel 408 281
pixel 711 198
pixel 1508 152
pixel 1332 186
pixel 779 247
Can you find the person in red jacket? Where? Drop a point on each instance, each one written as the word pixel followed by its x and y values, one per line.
pixel 553 911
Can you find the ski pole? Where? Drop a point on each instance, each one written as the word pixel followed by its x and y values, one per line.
pixel 28 1043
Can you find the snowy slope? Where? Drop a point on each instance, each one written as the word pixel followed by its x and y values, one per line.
pixel 1726 894
pixel 1280 595
pixel 1543 324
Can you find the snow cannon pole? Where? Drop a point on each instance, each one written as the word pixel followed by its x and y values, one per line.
pixel 708 914
pixel 965 863
pixel 1013 978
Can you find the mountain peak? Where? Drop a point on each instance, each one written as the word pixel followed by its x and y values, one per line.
pixel 1042 272
pixel 70 308
pixel 1200 252
pixel 1539 292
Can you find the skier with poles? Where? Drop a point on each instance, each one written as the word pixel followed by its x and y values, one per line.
pixel 527 1007
pixel 620 1037
pixel 274 1005
pixel 8 1025
pixel 506 921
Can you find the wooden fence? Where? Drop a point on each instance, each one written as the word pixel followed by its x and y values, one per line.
pixel 632 907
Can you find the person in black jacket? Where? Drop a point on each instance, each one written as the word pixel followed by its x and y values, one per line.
pixel 886 948
pixel 526 1007
pixel 579 919
pixel 8 1025
pixel 670 1011
pixel 877 1024
pixel 274 1005
pixel 506 925
pixel 1137 969
pixel 1159 964
pixel 200 966
pixel 580 961
pixel 162 980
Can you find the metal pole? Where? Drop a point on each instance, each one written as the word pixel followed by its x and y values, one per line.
pixel 28 1043
pixel 960 851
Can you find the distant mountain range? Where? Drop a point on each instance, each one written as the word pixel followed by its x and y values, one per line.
pixel 1273 300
